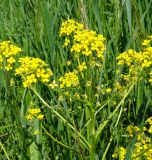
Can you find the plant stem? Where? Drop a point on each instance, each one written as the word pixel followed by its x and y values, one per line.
pixel 84 141
pixel 92 149
pixel 4 151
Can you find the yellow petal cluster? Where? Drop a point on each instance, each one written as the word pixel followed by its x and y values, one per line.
pixel 133 65
pixel 70 26
pixel 143 146
pixel 53 85
pixel 82 67
pixel 69 79
pixel 66 42
pixel 132 130
pixel 149 122
pixel 8 53
pixel 34 113
pixel 33 69
pixel 120 153
pixel 84 42
pixel 87 42
pixel 146 42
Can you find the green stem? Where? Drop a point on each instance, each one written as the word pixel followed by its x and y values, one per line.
pixel 54 139
pixel 101 127
pixel 87 123
pixel 105 152
pixel 92 149
pixel 4 151
pixel 22 111
pixel 85 142
pixel 8 91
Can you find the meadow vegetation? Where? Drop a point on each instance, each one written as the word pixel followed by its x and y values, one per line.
pixel 76 79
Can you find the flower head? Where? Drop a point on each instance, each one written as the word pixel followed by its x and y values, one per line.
pixel 33 69
pixel 8 53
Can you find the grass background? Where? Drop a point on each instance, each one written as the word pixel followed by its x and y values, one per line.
pixel 34 26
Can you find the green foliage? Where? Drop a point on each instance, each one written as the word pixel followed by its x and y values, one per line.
pixel 72 128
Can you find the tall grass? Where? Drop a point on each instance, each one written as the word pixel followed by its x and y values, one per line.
pixel 34 26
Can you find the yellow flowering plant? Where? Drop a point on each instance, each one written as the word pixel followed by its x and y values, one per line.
pixel 82 97
pixel 34 113
pixel 69 80
pixel 142 147
pixel 83 45
pixel 32 70
pixel 8 53
pixel 133 66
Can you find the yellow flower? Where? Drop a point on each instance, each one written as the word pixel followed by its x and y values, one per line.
pixel 114 155
pixel 29 80
pixel 108 90
pixel 149 120
pixel 68 63
pixel 53 85
pixel 32 70
pixel 83 42
pixel 82 67
pixel 142 147
pixel 135 65
pixel 146 42
pixel 60 98
pixel 70 26
pixel 40 116
pixel 8 67
pixel 12 82
pixel 76 95
pixel 8 53
pixel 88 42
pixel 36 132
pixel 29 117
pixel 34 113
pixel 66 42
pixel 132 130
pixel 120 153
pixel 88 83
pixel 69 80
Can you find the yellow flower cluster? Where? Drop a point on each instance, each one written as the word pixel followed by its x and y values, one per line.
pixel 143 146
pixel 69 79
pixel 94 63
pixel 150 79
pixel 146 42
pixel 66 42
pixel 146 58
pixel 149 121
pixel 132 130
pixel 135 64
pixel 80 42
pixel 70 26
pixel 53 85
pixel 34 113
pixel 120 153
pixel 36 132
pixel 8 53
pixel 33 69
pixel 108 90
pixel 82 67
pixel 85 42
pixel 88 42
